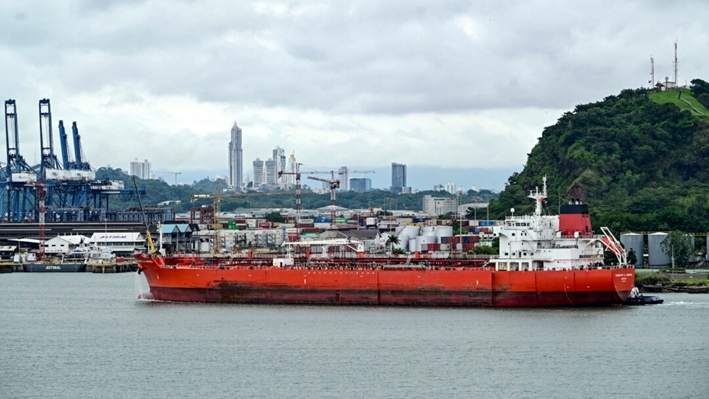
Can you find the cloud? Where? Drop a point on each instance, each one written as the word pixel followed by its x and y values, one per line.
pixel 447 84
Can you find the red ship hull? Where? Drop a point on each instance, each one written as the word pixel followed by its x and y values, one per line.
pixel 178 279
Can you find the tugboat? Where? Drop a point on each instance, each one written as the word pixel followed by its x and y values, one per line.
pixel 636 298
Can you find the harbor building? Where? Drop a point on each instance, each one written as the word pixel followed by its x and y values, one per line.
pixel 236 159
pixel 398 179
pixel 141 169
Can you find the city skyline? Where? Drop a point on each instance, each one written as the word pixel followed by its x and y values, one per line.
pixel 436 86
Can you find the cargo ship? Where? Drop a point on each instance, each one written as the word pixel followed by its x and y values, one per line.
pixel 543 261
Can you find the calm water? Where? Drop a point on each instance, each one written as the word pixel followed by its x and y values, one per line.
pixel 86 336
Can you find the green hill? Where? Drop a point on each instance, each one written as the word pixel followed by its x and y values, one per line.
pixel 639 159
pixel 676 97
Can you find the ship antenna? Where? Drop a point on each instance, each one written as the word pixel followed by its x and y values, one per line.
pixel 539 197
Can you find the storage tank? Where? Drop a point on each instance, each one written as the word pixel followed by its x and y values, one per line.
pixel 411 231
pixel 657 258
pixel 635 242
pixel 443 231
pixel 424 240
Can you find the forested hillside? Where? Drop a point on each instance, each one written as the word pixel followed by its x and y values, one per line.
pixel 636 158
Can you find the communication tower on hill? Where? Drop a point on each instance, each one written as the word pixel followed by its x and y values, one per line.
pixel 676 63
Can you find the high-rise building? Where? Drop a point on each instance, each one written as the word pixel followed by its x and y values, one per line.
pixel 361 184
pixel 279 156
pixel 236 159
pixel 271 173
pixel 398 178
pixel 141 169
pixel 258 173
pixel 344 178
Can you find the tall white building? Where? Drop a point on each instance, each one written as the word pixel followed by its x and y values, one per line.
pixel 236 159
pixel 344 177
pixel 141 169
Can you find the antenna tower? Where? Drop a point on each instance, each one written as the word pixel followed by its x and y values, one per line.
pixel 652 71
pixel 676 81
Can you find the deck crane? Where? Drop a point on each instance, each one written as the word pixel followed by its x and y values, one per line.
pixel 334 184
pixel 297 174
pixel 19 174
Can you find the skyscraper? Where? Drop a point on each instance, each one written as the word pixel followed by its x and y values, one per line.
pixel 398 178
pixel 236 159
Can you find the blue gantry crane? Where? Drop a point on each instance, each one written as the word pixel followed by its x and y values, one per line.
pixel 18 201
pixel 70 187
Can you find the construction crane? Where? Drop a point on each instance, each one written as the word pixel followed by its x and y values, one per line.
pixel 334 184
pixel 216 225
pixel 297 174
pixel 172 173
pixel 363 171
pixel 216 248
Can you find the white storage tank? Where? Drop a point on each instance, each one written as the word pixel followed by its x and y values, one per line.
pixel 635 242
pixel 412 245
pixel 443 231
pixel 657 258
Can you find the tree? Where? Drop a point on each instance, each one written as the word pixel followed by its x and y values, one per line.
pixel 274 217
pixel 678 246
pixel 632 257
pixel 392 240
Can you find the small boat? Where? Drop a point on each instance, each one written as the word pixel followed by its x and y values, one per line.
pixel 636 298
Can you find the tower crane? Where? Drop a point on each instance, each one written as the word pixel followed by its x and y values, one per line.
pixel 334 184
pixel 216 248
pixel 297 174
pixel 363 171
pixel 172 173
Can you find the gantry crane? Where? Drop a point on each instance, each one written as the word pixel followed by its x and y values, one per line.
pixel 20 175
pixel 334 184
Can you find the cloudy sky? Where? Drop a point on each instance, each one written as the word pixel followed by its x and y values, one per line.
pixel 457 90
